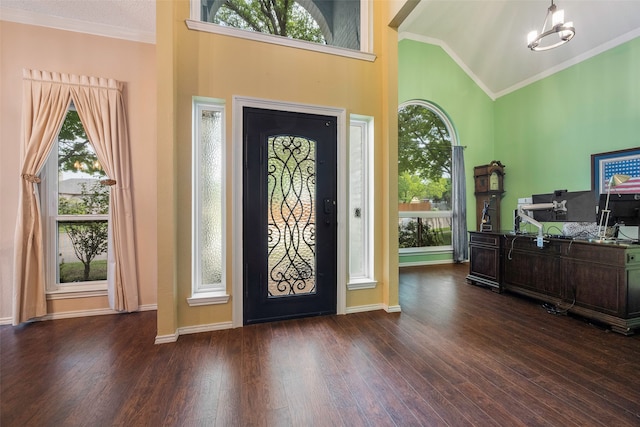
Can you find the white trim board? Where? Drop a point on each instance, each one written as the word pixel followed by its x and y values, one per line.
pixel 66 24
pixel 239 102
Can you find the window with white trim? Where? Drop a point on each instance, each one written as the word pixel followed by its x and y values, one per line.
pixel 335 26
pixel 361 203
pixel 75 208
pixel 209 222
pixel 425 138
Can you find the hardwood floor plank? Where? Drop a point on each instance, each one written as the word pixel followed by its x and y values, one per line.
pixel 457 355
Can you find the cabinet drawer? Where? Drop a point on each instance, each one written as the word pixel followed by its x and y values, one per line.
pixel 485 239
pixel 597 253
pixel 633 257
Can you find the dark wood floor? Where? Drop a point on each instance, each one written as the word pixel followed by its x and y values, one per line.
pixel 457 355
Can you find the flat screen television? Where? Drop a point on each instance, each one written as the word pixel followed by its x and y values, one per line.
pixel 625 209
pixel 581 206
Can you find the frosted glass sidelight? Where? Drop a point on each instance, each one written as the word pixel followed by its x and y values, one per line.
pixel 211 198
pixel 357 252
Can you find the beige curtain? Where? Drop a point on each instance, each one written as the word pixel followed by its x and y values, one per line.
pixel 44 104
pixel 100 105
pixel 101 109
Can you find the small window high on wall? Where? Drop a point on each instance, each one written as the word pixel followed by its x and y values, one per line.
pixel 342 24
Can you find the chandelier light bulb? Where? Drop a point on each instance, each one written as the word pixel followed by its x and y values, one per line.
pixel 566 35
pixel 531 36
pixel 557 18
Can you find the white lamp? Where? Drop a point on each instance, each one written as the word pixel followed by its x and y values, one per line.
pixel 616 179
pixel 565 31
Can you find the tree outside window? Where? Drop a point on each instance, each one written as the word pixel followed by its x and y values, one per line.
pixel 284 18
pixel 83 206
pixel 424 181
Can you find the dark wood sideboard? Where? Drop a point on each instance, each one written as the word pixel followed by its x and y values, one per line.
pixel 599 281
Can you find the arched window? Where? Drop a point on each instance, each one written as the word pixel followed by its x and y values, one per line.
pixel 425 140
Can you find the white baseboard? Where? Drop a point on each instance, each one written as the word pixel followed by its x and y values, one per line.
pixel 166 339
pixel 79 313
pixel 373 307
pixel 419 263
pixel 392 308
pixel 185 330
pixel 204 328
pixel 363 308
pixel 93 312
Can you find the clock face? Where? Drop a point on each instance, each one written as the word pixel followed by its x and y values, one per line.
pixel 494 182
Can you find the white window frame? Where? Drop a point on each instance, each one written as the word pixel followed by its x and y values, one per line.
pixel 430 214
pixel 366 34
pixel 49 205
pixel 201 294
pixel 364 279
pixel 426 214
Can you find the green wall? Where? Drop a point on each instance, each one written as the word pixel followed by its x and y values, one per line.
pixel 426 72
pixel 545 132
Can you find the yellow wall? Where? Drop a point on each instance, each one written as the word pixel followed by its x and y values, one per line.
pixel 27 46
pixel 193 63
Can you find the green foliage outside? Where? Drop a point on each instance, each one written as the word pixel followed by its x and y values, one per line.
pixel 284 18
pixel 75 271
pixel 74 150
pixel 424 172
pixel 417 233
pixel 89 238
pixel 424 155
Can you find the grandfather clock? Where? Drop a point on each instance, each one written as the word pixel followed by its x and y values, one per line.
pixel 489 180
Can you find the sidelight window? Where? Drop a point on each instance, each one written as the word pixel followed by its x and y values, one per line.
pixel 361 203
pixel 208 204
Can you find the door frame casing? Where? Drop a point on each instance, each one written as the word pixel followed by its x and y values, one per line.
pixel 239 102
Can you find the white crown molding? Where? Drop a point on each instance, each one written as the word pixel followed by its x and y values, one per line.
pixel 66 24
pixel 429 40
pixel 495 95
pixel 580 58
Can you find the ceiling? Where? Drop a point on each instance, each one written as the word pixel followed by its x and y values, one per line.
pixel 487 38
pixel 128 19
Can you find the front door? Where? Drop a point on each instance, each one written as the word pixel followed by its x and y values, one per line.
pixel 289 214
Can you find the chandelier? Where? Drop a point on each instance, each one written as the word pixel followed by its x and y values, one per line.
pixel 564 31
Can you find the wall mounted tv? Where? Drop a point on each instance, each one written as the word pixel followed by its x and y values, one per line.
pixel 581 206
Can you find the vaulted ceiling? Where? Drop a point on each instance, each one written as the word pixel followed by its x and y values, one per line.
pixel 487 38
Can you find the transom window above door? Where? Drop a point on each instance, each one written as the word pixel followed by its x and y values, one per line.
pixel 317 25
